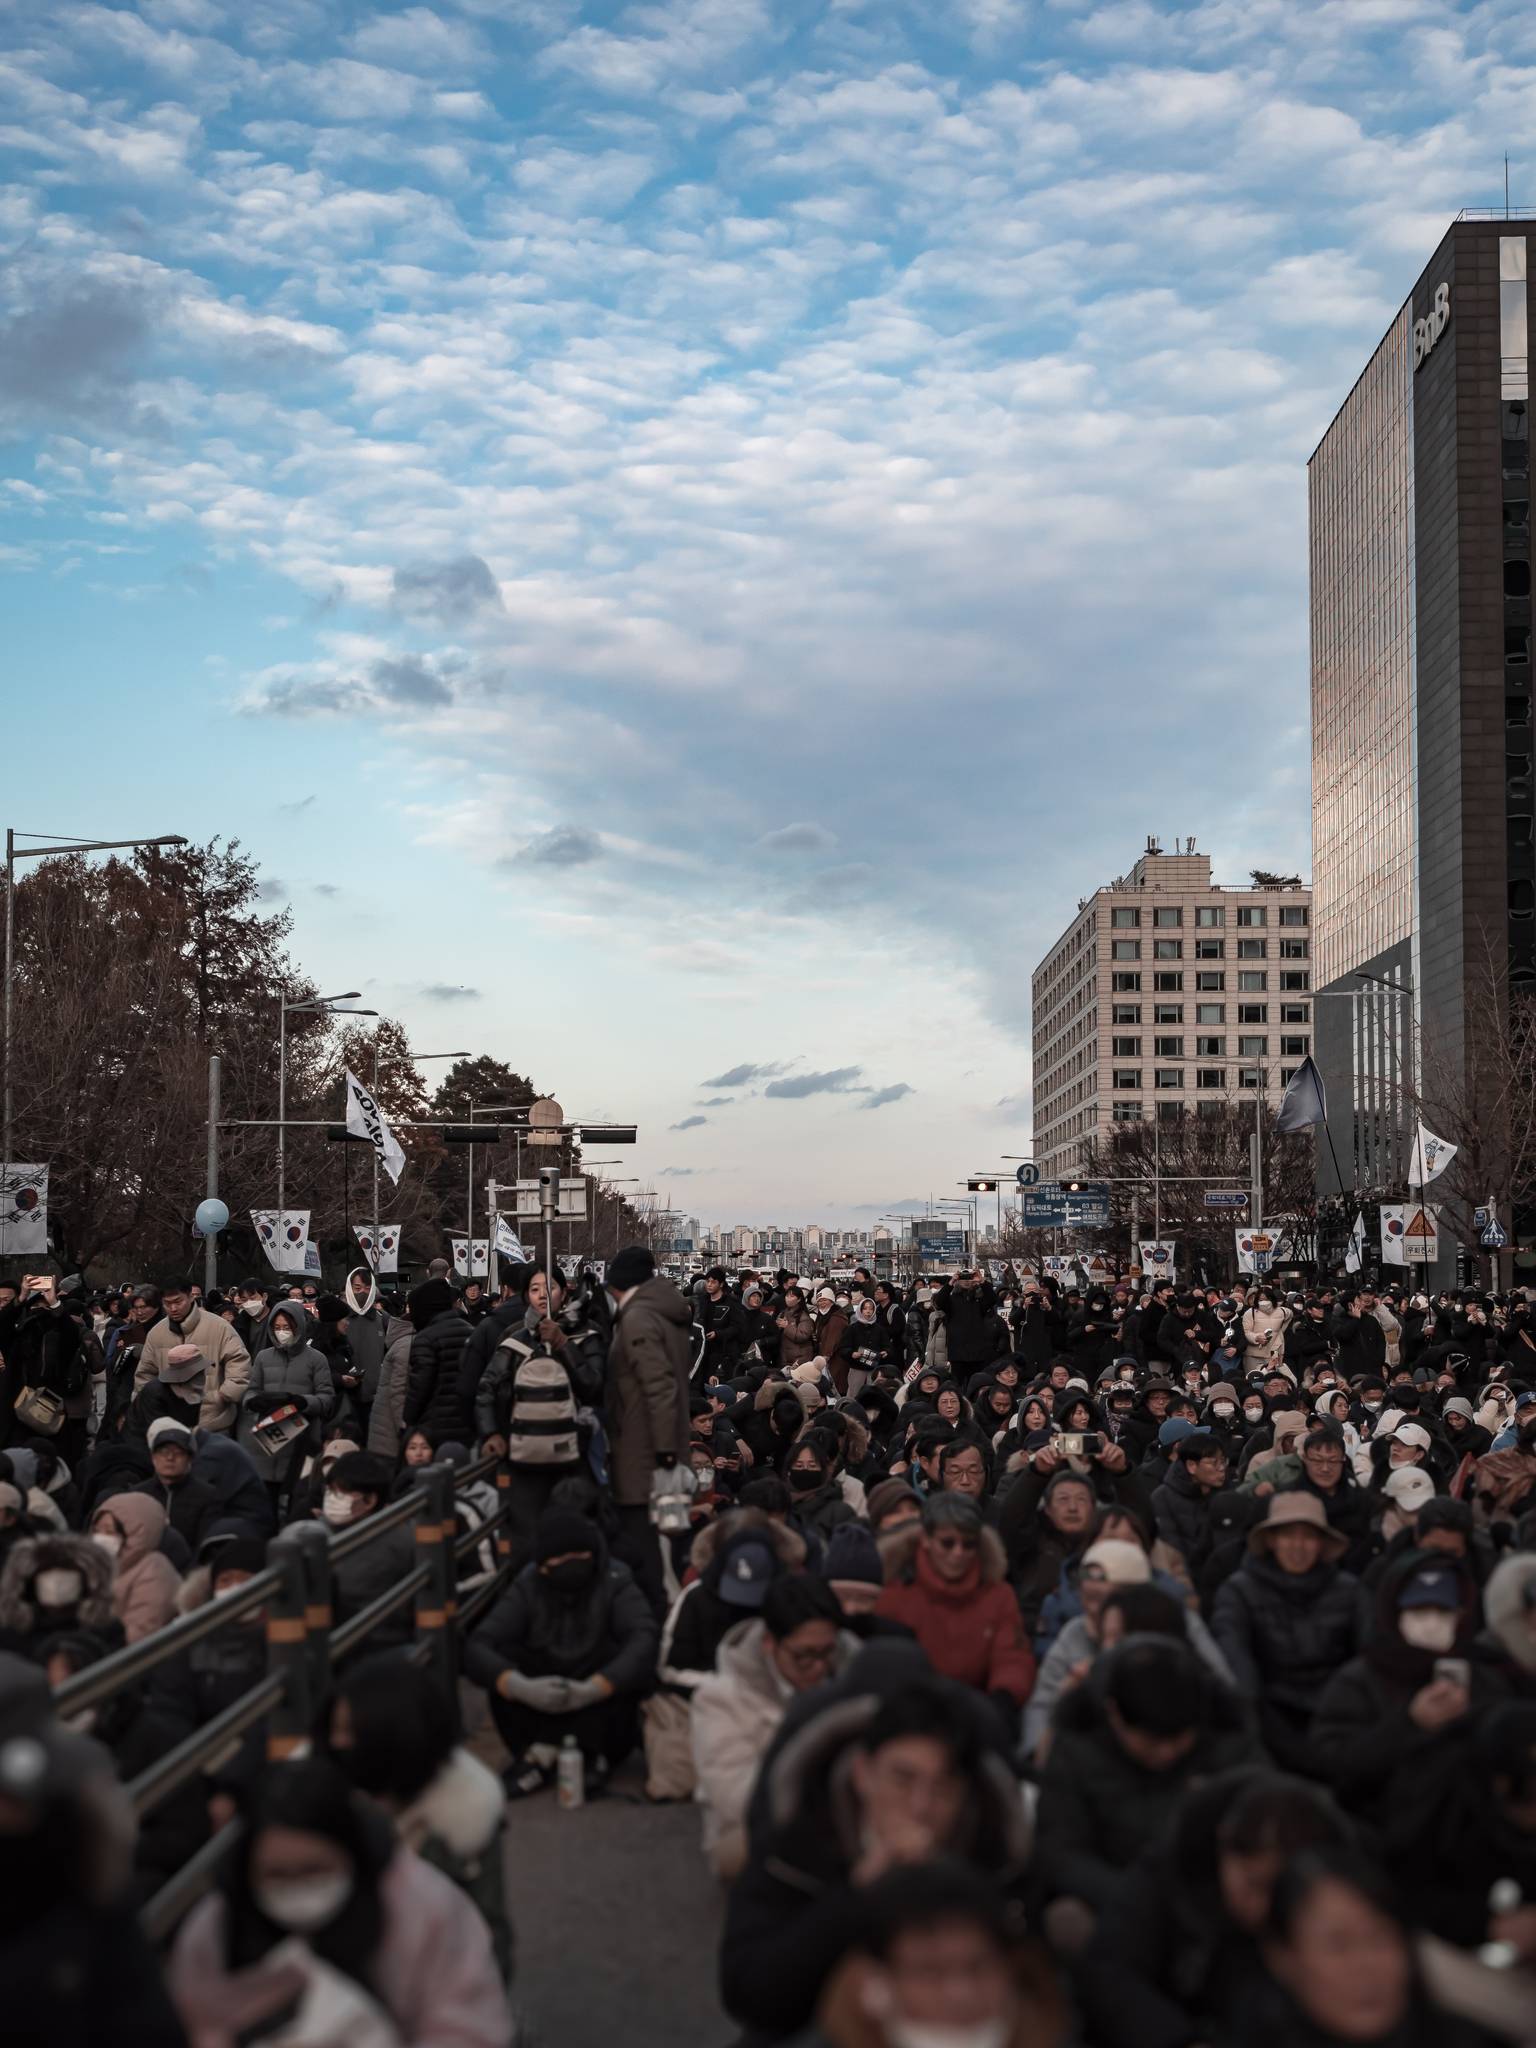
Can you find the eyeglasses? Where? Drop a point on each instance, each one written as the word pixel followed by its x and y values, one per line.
pixel 810 1660
pixel 956 1543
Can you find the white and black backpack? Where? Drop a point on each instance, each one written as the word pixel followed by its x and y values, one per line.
pixel 541 1420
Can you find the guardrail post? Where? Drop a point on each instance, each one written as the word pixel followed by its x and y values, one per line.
pixel 314 1545
pixel 504 1532
pixel 437 1600
pixel 287 1649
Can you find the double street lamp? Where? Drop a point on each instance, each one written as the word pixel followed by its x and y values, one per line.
pixel 46 851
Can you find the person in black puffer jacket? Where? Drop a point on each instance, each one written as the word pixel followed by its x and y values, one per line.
pixel 1286 1621
pixel 432 1380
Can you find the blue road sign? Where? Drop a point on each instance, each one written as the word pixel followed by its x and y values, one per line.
pixel 1225 1198
pixel 1495 1237
pixel 1028 1175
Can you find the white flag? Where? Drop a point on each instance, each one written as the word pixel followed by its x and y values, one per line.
pixel 383 1257
pixel 23 1209
pixel 470 1262
pixel 1354 1255
pixel 507 1245
pixel 366 1120
pixel 284 1239
pixel 1431 1156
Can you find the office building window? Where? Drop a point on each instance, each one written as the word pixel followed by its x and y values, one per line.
pixel 1211 1109
pixel 1211 981
pixel 1126 1112
pixel 1211 915
pixel 1211 1049
pixel 1295 949
pixel 1252 981
pixel 1126 1077
pixel 1169 1048
pixel 1125 920
pixel 1124 984
pixel 1252 914
pixel 1210 1013
pixel 1210 1077
pixel 1253 1013
pixel 1250 1077
pixel 1126 1013
pixel 1250 949
pixel 1293 1013
pixel 1125 1048
pixel 1210 949
pixel 1168 1077
pixel 1167 949
pixel 1169 1112
pixel 1253 1048
pixel 1168 1013
pixel 1295 1048
pixel 1168 984
pixel 1125 949
pixel 1168 917
pixel 1295 978
pixel 1295 913
pixel 1287 1076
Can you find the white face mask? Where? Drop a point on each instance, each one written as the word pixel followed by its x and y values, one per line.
pixel 107 1540
pixel 1428 1628
pixel 1372 1407
pixel 932 2034
pixel 1253 1414
pixel 60 1587
pixel 303 1904
pixel 285 1339
pixel 336 1507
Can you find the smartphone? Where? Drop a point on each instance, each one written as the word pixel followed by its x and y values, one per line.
pixel 1455 1670
pixel 39 1283
pixel 1086 1443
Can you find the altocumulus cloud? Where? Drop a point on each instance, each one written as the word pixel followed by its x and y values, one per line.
pixel 802 838
pixel 739 1077
pixel 689 1123
pixel 562 846
pixel 881 1096
pixel 834 1081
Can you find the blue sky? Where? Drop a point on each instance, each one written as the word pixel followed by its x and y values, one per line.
pixel 685 536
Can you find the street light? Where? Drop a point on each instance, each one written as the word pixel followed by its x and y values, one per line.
pixel 283 1009
pixel 14 853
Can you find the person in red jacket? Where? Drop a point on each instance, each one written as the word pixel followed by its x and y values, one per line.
pixel 948 1584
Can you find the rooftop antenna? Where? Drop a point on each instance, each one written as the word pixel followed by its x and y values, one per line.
pixel 1506 184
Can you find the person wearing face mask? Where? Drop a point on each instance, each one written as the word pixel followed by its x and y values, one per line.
pixel 1262 1327
pixel 819 1502
pixel 191 1506
pixel 357 1485
pixel 144 1582
pixel 323 1924
pixel 796 1643
pixel 390 1728
pixel 288 1372
pixel 1388 1706
pixel 865 1348
pixel 936 1962
pixel 53 1582
pixel 568 1649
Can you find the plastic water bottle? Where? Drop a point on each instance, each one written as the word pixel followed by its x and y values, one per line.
pixel 571 1775
pixel 1504 1897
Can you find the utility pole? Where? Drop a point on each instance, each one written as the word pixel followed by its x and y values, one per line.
pixel 211 1242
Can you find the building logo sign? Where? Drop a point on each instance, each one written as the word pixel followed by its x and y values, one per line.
pixel 1427 332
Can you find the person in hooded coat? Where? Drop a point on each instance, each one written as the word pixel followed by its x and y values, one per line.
pixel 946 1580
pixel 51 1583
pixel 717 1596
pixel 368 1335
pixel 144 1581
pixel 820 1503
pixel 568 1650
pixel 437 1347
pixel 288 1370
pixel 1386 1706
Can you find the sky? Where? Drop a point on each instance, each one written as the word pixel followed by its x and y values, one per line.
pixel 686 536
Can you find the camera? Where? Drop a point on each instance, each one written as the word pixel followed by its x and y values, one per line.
pixel 1086 1443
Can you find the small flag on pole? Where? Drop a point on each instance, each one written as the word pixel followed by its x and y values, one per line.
pixel 1304 1102
pixel 1354 1257
pixel 366 1120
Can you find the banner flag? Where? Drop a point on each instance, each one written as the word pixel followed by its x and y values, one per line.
pixel 1157 1259
pixel 385 1256
pixel 471 1266
pixel 508 1245
pixel 366 1120
pixel 23 1209
pixel 1354 1257
pixel 1431 1156
pixel 285 1245
pixel 1304 1102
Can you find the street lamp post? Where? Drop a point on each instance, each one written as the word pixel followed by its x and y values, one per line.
pixel 14 853
pixel 417 1059
pixel 284 1007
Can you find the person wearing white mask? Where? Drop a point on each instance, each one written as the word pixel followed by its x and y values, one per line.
pixel 324 1928
pixel 53 1581
pixel 356 1486
pixel 288 1373
pixel 931 1966
pixel 128 1527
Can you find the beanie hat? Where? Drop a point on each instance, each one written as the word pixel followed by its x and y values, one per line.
pixel 331 1308
pixel 234 1554
pixel 853 1556
pixel 885 1498
pixel 1123 1564
pixel 432 1298
pixel 165 1429
pixel 631 1267
pixel 184 1363
pixel 561 1531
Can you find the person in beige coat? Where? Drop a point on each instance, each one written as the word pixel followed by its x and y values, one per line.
pixel 797 1643
pixel 1262 1326
pixel 144 1581
pixel 229 1362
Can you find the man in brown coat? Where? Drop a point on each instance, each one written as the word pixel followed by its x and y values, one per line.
pixel 229 1363
pixel 647 1400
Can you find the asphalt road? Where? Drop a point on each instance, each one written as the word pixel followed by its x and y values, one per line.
pixel 616 1918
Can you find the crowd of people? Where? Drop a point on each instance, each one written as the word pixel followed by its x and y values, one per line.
pixel 1141 1666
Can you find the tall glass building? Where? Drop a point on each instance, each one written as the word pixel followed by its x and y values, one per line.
pixel 1424 872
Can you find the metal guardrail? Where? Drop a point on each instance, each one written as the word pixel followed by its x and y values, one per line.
pixel 294 1595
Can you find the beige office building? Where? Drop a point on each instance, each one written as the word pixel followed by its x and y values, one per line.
pixel 1167 993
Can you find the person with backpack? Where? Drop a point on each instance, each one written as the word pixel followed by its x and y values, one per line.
pixel 536 1404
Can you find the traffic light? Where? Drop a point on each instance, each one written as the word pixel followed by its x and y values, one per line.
pixel 982 1187
pixel 1073 1187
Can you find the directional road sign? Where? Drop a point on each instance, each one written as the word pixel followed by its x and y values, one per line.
pixel 1028 1175
pixel 1226 1198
